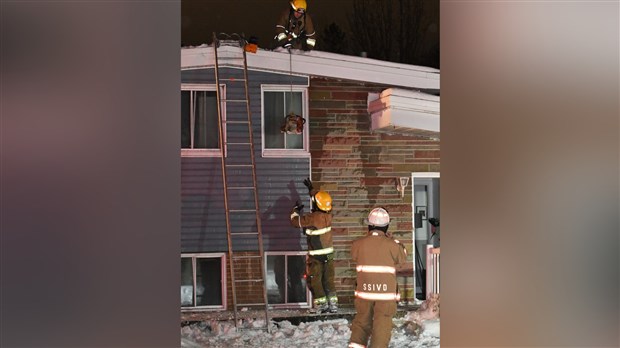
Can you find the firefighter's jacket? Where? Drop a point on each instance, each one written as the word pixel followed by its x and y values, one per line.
pixel 317 227
pixel 294 30
pixel 377 257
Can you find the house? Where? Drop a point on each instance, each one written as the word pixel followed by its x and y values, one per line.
pixel 369 123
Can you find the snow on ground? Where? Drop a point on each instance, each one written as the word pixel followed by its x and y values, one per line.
pixel 315 334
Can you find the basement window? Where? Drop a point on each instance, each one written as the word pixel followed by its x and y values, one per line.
pixel 199 121
pixel 277 103
pixel 203 281
pixel 285 279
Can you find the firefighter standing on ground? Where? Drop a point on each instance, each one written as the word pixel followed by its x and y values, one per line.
pixel 317 228
pixel 295 28
pixel 376 294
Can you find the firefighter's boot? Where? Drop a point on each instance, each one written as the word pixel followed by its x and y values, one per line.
pixel 333 304
pixel 320 305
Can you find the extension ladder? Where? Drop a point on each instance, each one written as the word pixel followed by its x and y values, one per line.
pixel 243 221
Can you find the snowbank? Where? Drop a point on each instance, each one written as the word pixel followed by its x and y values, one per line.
pixel 316 334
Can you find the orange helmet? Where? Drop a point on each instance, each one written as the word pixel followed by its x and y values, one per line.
pixel 323 201
pixel 299 5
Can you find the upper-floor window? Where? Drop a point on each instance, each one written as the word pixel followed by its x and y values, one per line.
pixel 199 124
pixel 279 101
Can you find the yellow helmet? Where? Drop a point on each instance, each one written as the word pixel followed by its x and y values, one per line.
pixel 323 201
pixel 299 5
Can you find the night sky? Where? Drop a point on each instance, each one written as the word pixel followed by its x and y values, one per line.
pixel 200 18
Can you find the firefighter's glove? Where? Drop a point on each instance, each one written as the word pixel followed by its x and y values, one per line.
pixel 298 207
pixel 308 184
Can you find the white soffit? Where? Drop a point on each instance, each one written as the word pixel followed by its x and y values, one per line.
pixel 317 63
pixel 399 111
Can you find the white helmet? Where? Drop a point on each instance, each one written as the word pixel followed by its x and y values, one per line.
pixel 378 217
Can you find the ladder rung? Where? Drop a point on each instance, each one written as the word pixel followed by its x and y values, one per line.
pixel 241 188
pixel 241 210
pixel 263 328
pixel 238 143
pixel 247 256
pixel 250 304
pixel 232 79
pixel 244 234
pixel 248 281
pixel 239 165
pixel 234 100
pixel 236 122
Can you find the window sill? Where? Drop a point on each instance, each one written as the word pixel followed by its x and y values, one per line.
pixel 203 308
pixel 200 153
pixel 275 153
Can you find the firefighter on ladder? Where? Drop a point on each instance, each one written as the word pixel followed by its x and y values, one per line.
pixel 376 293
pixel 295 28
pixel 320 263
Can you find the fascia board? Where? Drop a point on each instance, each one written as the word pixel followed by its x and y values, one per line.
pixel 410 94
pixel 325 64
pixel 414 119
pixel 405 118
pixel 403 102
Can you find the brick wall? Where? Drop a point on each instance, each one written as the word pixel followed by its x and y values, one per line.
pixel 359 169
pixel 247 292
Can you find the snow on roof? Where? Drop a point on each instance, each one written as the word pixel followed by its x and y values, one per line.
pixel 316 63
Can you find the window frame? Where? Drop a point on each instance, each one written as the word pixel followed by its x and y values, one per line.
pixel 283 153
pixel 223 280
pixel 308 303
pixel 206 87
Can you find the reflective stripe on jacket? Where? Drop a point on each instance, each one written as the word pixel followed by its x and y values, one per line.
pixel 377 256
pixel 317 227
pixel 288 24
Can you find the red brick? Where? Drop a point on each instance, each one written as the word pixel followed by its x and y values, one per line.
pixel 350 95
pixel 342 140
pixel 317 113
pixel 426 154
pixel 328 163
pixel 378 181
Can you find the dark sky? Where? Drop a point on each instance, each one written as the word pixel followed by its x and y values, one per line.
pixel 200 18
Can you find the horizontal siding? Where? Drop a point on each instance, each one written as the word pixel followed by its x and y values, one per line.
pixel 203 225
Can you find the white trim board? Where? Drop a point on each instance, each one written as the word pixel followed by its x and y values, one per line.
pixel 316 63
pixel 402 111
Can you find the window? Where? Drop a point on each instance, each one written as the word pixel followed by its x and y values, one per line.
pixel 286 282
pixel 277 103
pixel 203 281
pixel 199 124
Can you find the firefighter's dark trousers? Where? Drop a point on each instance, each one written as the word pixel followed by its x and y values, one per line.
pixel 373 319
pixel 321 276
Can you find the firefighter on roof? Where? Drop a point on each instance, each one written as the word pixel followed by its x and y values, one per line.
pixel 320 264
pixel 295 28
pixel 376 293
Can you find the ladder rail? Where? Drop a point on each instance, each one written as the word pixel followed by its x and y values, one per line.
pixel 224 174
pixel 253 160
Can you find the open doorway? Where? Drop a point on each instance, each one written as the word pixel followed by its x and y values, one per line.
pixel 426 214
